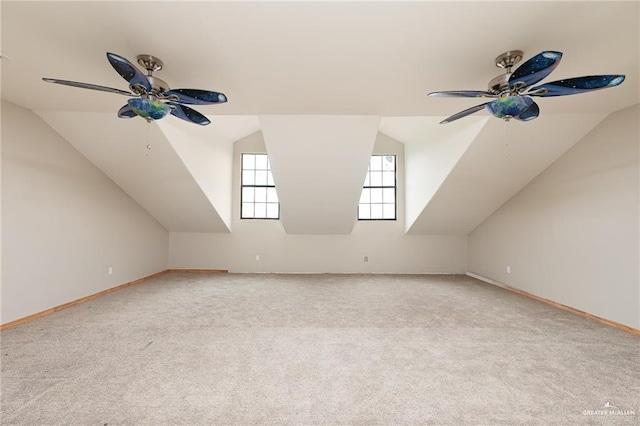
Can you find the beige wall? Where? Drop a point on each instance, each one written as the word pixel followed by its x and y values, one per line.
pixel 572 234
pixel 385 243
pixel 64 222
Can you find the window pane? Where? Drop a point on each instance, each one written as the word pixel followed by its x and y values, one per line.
pixel 364 211
pixel 365 197
pixel 376 178
pixel 260 210
pixel 258 188
pixel 261 177
pixel 388 195
pixel 376 211
pixel 261 195
pixel 272 195
pixel 388 178
pixel 248 177
pixel 375 163
pixel 261 162
pixel 389 163
pixel 376 195
pixel 247 195
pixel 272 210
pixel 247 210
pixel 388 211
pixel 248 161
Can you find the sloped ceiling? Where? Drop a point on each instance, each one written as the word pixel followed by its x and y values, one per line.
pixel 501 160
pixel 207 153
pixel 431 152
pixel 375 59
pixel 156 179
pixel 319 165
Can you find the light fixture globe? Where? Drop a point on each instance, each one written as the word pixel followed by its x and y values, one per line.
pixel 509 106
pixel 149 109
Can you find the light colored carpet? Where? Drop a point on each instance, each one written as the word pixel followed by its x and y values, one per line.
pixel 243 349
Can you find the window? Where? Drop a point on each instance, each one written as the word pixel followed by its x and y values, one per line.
pixel 378 199
pixel 258 198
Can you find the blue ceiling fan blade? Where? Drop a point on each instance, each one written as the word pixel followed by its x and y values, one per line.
pixel 465 113
pixel 535 69
pixel 573 86
pixel 87 86
pixel 188 114
pixel 533 111
pixel 463 94
pixel 126 112
pixel 195 96
pixel 129 72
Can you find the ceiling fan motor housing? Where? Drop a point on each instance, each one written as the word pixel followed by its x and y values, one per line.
pixel 499 84
pixel 158 85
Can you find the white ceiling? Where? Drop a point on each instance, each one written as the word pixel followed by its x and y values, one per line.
pixel 317 58
pixel 374 58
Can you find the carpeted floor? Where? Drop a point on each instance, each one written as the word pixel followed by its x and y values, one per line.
pixel 244 349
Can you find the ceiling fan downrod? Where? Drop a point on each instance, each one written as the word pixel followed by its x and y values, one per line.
pixel 506 61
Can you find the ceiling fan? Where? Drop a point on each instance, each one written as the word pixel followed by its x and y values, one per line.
pixel 151 97
pixel 512 90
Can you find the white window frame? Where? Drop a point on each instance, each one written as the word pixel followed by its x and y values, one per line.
pixel 378 183
pixel 253 189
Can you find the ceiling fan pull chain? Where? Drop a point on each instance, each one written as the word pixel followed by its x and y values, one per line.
pixel 508 134
pixel 147 138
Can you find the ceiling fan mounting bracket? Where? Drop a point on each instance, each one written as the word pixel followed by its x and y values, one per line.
pixel 150 63
pixel 509 59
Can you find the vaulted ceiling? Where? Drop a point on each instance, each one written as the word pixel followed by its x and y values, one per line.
pixel 317 78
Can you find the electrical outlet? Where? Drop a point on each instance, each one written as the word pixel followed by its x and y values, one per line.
pixel 508 269
pixel 366 258
pixel 257 258
pixel 110 270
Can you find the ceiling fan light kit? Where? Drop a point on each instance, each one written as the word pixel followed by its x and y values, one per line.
pixel 512 91
pixel 151 97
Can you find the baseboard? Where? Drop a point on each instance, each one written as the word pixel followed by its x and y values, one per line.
pixel 99 294
pixel 558 305
pixel 342 273
pixel 487 280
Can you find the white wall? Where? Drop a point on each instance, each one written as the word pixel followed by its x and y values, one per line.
pixel 64 222
pixel 572 234
pixel 389 249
